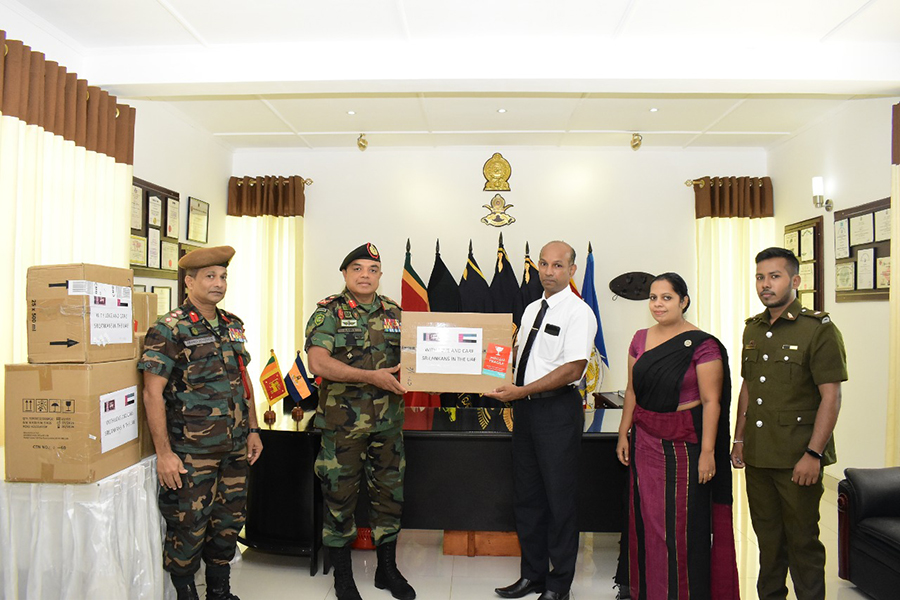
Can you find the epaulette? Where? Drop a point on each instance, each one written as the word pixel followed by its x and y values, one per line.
pixel 231 317
pixel 328 300
pixel 387 300
pixel 758 317
pixel 820 315
pixel 172 318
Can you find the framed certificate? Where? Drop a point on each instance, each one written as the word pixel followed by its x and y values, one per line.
pixel 807 277
pixel 154 211
pixel 137 210
pixel 139 287
pixel 792 242
pixel 173 208
pixel 153 248
pixel 198 221
pixel 842 239
pixel 865 269
pixel 883 273
pixel 169 253
pixel 807 244
pixel 163 299
pixel 138 251
pixel 844 276
pixel 883 225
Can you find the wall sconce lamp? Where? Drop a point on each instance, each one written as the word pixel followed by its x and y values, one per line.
pixel 819 201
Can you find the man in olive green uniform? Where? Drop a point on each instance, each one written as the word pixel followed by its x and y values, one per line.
pixel 793 363
pixel 353 343
pixel 203 422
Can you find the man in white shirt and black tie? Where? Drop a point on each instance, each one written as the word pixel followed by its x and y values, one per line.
pixel 552 352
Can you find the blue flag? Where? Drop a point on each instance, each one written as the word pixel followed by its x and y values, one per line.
pixel 299 386
pixel 589 295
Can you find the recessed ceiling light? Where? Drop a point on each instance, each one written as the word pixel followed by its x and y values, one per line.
pixel 501 110
pixel 654 109
pixel 351 112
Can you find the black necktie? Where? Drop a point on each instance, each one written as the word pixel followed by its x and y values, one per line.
pixel 523 360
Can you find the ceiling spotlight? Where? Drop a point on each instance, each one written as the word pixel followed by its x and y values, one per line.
pixel 362 143
pixel 501 110
pixel 636 140
pixel 351 112
pixel 654 109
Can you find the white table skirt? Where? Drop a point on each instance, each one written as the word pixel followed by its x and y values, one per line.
pixel 78 541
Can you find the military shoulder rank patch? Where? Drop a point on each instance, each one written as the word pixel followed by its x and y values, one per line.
pixel 328 300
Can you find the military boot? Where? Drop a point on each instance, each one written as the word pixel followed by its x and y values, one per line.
pixel 218 587
pixel 187 592
pixel 388 577
pixel 344 586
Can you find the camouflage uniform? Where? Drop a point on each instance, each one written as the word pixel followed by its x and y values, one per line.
pixel 206 414
pixel 361 424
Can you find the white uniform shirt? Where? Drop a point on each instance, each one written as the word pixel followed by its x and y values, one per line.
pixel 566 335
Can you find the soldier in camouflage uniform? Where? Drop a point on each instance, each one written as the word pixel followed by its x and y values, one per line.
pixel 353 343
pixel 203 422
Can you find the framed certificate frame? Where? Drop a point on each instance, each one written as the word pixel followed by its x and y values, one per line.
pixel 173 217
pixel 198 221
pixel 138 251
pixel 138 210
pixel 163 298
pixel 169 256
pixel 804 239
pixel 863 251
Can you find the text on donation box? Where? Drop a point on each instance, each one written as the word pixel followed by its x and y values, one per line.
pixel 449 350
pixel 118 418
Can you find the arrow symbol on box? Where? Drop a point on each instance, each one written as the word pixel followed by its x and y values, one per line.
pixel 68 343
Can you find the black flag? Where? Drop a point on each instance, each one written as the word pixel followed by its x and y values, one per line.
pixel 475 295
pixel 443 293
pixel 504 287
pixel 531 288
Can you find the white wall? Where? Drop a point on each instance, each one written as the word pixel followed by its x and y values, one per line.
pixel 632 206
pixel 851 149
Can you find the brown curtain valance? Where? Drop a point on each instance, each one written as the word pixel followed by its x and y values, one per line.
pixel 266 195
pixel 749 197
pixel 42 93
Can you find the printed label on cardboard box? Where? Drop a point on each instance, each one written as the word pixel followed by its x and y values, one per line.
pixel 118 418
pixel 496 360
pixel 110 309
pixel 449 350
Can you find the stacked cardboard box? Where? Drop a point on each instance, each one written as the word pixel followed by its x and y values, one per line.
pixel 72 413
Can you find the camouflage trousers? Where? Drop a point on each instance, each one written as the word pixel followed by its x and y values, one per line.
pixel 204 517
pixel 342 461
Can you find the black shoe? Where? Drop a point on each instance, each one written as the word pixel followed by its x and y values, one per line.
pixel 521 588
pixel 344 586
pixel 219 588
pixel 550 595
pixel 388 577
pixel 188 592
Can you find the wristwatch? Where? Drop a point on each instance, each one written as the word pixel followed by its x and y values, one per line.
pixel 254 430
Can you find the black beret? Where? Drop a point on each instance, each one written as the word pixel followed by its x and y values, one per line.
pixel 207 257
pixel 366 251
pixel 632 286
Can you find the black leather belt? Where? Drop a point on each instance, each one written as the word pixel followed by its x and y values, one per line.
pixel 551 393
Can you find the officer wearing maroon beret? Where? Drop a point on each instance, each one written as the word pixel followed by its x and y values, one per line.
pixel 201 415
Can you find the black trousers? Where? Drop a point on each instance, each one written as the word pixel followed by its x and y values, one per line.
pixel 546 443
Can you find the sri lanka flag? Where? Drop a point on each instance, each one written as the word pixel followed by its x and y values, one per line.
pixel 271 381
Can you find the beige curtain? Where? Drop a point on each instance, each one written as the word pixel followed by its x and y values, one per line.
pixel 892 445
pixel 265 289
pixel 66 150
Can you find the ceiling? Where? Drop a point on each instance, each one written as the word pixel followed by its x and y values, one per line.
pixel 288 73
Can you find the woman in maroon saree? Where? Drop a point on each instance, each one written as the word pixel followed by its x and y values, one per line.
pixel 678 539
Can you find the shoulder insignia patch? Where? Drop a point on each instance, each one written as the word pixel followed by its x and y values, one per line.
pixel 319 318
pixel 819 315
pixel 328 300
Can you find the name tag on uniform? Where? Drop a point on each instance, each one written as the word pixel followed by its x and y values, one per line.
pixel 790 347
pixel 348 322
pixel 237 335
pixel 392 325
pixel 190 342
pixel 551 329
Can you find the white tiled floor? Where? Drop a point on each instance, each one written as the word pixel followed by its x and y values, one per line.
pixel 438 577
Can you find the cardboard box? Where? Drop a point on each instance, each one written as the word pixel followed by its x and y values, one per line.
pixel 79 314
pixel 144 312
pixel 455 352
pixel 144 438
pixel 71 423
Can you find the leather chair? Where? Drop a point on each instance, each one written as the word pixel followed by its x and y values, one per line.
pixel 869 530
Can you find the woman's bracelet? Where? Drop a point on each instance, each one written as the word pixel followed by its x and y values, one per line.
pixel 737 441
